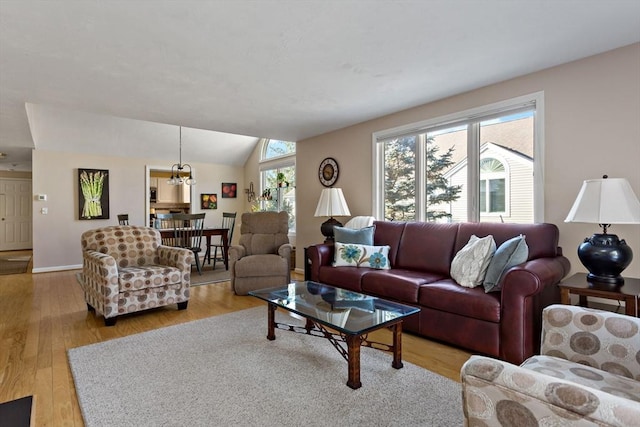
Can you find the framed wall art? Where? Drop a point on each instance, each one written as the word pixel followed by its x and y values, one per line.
pixel 208 201
pixel 229 190
pixel 93 193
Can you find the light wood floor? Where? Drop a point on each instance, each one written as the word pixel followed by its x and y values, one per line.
pixel 43 315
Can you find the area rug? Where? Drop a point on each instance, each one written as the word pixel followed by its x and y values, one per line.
pixel 209 275
pixel 14 264
pixel 223 371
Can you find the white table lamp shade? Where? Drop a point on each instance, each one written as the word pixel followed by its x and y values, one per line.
pixel 605 201
pixel 332 203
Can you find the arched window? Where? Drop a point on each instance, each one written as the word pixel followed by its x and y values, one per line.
pixel 278 178
pixel 492 186
pixel 273 148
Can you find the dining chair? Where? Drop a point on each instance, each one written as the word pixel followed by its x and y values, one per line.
pixel 123 219
pixel 165 222
pixel 228 222
pixel 187 232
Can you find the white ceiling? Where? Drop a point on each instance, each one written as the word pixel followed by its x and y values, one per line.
pixel 285 69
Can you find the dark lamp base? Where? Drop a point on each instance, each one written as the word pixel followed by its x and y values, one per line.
pixel 605 256
pixel 327 229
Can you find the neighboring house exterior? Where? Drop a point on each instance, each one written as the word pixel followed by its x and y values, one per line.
pixel 506 186
pixel 506 171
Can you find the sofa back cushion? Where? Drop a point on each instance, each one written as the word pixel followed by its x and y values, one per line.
pixel 542 239
pixel 427 246
pixel 129 245
pixel 388 233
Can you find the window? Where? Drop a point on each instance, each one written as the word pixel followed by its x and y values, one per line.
pixel 476 165
pixel 492 186
pixel 277 179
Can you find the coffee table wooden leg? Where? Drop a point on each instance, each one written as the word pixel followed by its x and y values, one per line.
pixel 353 359
pixel 271 323
pixel 397 346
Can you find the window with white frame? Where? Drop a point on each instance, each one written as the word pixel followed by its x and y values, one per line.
pixel 483 164
pixel 278 178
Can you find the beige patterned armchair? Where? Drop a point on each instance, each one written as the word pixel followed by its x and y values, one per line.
pixel 588 374
pixel 126 269
pixel 262 258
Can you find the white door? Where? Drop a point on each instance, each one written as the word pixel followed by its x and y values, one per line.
pixel 15 214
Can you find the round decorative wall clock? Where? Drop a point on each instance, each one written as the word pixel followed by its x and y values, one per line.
pixel 328 172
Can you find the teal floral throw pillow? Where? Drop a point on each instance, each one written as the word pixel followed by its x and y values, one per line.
pixel 355 255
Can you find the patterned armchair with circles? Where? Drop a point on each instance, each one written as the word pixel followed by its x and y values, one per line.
pixel 587 373
pixel 127 269
pixel 262 258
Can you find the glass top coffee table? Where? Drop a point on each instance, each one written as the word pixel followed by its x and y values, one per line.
pixel 340 316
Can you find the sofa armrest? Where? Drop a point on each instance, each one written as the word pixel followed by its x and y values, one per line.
pixel 601 339
pixel 100 282
pixel 180 258
pixel 526 289
pixel 319 255
pixel 495 392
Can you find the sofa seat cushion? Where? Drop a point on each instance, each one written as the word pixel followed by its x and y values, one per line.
pixel 261 266
pixel 343 277
pixel 447 295
pixel 585 375
pixel 149 276
pixel 397 284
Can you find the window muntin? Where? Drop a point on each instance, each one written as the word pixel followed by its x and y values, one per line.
pixel 507 132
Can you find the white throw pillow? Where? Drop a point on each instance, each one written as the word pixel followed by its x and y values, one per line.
pixel 354 255
pixel 469 266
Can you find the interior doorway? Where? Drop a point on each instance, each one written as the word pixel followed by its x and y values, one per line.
pixel 16 212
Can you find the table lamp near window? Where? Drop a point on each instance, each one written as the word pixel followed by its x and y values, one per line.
pixel 605 202
pixel 331 203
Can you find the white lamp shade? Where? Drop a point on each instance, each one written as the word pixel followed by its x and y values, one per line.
pixel 332 203
pixel 605 201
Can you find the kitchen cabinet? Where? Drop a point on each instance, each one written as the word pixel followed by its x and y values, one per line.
pixel 167 193
pixel 184 193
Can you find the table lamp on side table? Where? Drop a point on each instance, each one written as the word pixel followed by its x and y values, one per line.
pixel 331 203
pixel 604 202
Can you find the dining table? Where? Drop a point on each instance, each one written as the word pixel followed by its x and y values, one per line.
pixel 208 233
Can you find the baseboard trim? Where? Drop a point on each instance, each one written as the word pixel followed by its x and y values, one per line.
pixel 56 268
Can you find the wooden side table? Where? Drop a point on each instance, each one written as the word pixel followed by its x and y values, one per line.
pixel 629 291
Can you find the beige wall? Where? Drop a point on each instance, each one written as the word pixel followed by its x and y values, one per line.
pixel 56 236
pixel 591 124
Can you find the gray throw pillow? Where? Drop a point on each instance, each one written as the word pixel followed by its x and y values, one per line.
pixel 362 236
pixel 511 253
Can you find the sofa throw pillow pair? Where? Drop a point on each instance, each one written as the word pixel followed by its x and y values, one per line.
pixel 511 253
pixel 470 264
pixel 355 255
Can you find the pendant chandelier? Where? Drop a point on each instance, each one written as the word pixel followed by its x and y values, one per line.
pixel 176 169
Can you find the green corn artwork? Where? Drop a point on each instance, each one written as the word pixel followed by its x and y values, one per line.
pixel 91 184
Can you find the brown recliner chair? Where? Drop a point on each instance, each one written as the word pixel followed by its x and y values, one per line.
pixel 261 260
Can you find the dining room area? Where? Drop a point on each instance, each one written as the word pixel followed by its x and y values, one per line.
pixel 209 243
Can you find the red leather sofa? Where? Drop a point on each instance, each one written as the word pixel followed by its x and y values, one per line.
pixel 504 324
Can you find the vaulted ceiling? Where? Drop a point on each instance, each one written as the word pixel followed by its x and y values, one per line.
pixel 285 69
